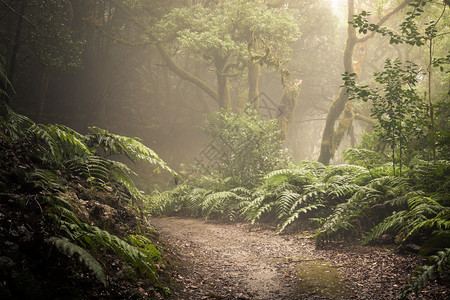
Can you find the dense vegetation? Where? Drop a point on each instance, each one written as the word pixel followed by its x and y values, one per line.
pixel 72 204
pixel 71 214
pixel 395 187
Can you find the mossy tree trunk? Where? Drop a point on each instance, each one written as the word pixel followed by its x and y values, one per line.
pixel 338 104
pixel 253 83
pixel 223 88
pixel 287 107
pixel 329 144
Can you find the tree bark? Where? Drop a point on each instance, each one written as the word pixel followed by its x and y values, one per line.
pixel 287 108
pixel 185 75
pixel 253 83
pixel 223 88
pixel 328 145
pixel 42 94
pixel 338 104
pixel 13 56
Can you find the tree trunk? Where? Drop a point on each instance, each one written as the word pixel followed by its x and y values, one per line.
pixel 328 146
pixel 13 54
pixel 344 127
pixel 42 94
pixel 223 88
pixel 287 108
pixel 253 83
pixel 338 104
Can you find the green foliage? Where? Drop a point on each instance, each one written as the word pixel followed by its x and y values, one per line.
pixel 395 105
pixel 248 147
pixel 84 257
pixel 145 245
pixel 226 30
pixel 100 140
pixel 68 154
pixel 51 40
pixel 440 263
pixel 79 154
pixel 408 32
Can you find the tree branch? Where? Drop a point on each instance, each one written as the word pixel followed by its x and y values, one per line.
pixel 185 75
pixel 384 19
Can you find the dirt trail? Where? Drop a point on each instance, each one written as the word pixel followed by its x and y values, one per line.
pixel 236 261
pixel 232 262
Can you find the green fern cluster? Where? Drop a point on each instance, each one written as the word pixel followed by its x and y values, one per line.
pixel 440 263
pixel 81 155
pixel 65 153
pixel 284 195
pixel 208 197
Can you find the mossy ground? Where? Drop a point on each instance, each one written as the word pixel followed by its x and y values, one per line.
pixel 320 278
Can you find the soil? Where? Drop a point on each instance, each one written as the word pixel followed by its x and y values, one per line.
pixel 239 261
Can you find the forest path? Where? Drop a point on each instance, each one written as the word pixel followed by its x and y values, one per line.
pixel 236 261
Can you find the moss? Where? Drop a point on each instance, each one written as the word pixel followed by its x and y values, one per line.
pixel 343 127
pixel 320 278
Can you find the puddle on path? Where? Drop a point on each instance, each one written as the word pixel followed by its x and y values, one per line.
pixel 319 278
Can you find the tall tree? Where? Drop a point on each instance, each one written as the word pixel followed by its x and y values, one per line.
pixel 329 142
pixel 40 34
pixel 232 36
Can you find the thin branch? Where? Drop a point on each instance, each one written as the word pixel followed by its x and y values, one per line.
pixel 383 20
pixel 17 13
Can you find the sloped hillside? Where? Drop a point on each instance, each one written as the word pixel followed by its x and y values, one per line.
pixel 69 221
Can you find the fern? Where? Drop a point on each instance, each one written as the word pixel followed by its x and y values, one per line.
pixel 392 223
pixel 145 245
pixel 84 257
pixel 424 213
pixel 219 202
pixel 295 215
pixel 423 275
pixel 130 147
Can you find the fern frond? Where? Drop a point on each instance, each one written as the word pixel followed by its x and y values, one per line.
pixel 132 148
pixel 393 223
pixel 293 217
pixel 69 141
pixel 214 202
pixel 145 245
pixel 138 259
pixel 84 257
pixel 423 275
pixel 285 202
pixel 262 210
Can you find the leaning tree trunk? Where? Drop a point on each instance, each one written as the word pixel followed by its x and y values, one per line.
pixel 338 104
pixel 329 145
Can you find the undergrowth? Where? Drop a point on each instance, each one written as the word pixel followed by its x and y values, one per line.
pixel 90 206
pixel 364 202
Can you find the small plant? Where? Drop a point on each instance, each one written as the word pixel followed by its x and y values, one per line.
pixel 248 147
